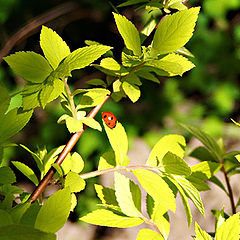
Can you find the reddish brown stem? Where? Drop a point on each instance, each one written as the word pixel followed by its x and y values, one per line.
pixel 71 143
pixel 230 193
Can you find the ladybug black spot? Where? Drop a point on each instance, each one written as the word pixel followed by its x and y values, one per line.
pixel 105 116
pixel 111 118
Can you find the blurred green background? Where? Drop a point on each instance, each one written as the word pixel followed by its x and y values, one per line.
pixel 207 96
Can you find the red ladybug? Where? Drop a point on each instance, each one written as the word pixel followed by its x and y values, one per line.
pixel 110 119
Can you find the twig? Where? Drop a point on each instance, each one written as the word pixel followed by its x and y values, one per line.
pixel 119 168
pixel 71 143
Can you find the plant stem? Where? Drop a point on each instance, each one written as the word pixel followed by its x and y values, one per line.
pixel 71 143
pixel 119 168
pixel 148 221
pixel 70 98
pixel 230 192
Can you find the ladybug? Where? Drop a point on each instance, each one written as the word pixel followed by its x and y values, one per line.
pixel 110 119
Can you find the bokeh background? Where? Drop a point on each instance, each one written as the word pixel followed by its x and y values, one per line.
pixel 207 96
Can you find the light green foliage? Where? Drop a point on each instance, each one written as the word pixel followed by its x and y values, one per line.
pixel 31 66
pixel 104 217
pixel 30 215
pixel 176 4
pixel 173 164
pixel 128 196
pixel 74 182
pixel 201 172
pixel 91 97
pixel 55 211
pixel 207 140
pixel 97 82
pixel 131 2
pixel 131 90
pixel 149 235
pixel 80 58
pixel 191 192
pixel 28 172
pixel 5 218
pixel 174 64
pixel 107 197
pixel 77 163
pixel 174 31
pixel 200 234
pixel 145 73
pixel 170 143
pixel 12 122
pixel 110 64
pixel 229 229
pixel 184 199
pixel 7 176
pixel 129 34
pixel 155 213
pixel 119 142
pixel 4 99
pixel 73 201
pixel 107 160
pixel 157 188
pixel 73 124
pixel 18 211
pixel 54 48
pixel 22 232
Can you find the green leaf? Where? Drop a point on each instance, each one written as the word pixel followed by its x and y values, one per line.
pixel 149 235
pixel 7 176
pixel 23 232
pixel 119 142
pixel 107 218
pixel 31 66
pixel 92 97
pixel 170 143
pixel 173 164
pixel 77 163
pixel 128 195
pixel 73 124
pixel 55 211
pixel 73 201
pixel 12 122
pixel 131 90
pixel 174 31
pixel 4 99
pixel 74 182
pixel 191 193
pixel 129 34
pixel 173 63
pixel 27 171
pixel 107 197
pixel 200 234
pixel 184 200
pixel 54 48
pixel 58 169
pixel 229 229
pixel 155 213
pixel 107 160
pixel 201 172
pixel 18 211
pixel 207 140
pixel 157 188
pixel 145 74
pixel 29 217
pixel 110 64
pixel 92 123
pixel 97 82
pixel 202 154
pixel 80 58
pixel 184 51
pixel 216 181
pixel 5 218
